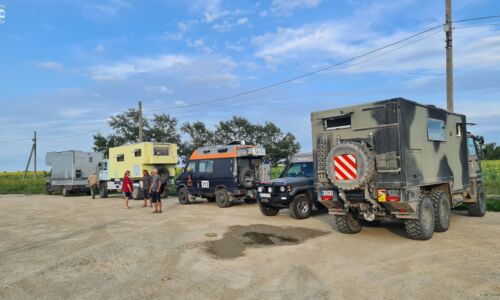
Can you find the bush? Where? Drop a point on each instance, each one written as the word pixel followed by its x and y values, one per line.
pixel 17 185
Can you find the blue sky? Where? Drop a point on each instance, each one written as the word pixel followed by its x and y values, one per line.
pixel 66 66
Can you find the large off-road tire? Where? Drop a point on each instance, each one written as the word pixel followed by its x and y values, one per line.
pixel 183 196
pixel 137 194
pixel 350 177
pixel 222 198
pixel 301 207
pixel 442 209
pixel 103 191
pixel 347 223
pixel 268 210
pixel 423 227
pixel 478 209
pixel 247 177
pixel 65 192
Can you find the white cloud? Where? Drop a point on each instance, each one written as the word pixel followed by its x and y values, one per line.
pixel 99 48
pixel 287 7
pixel 70 113
pixel 323 42
pixel 161 88
pixel 180 103
pixel 130 67
pixel 264 13
pixel 237 46
pixel 242 21
pixel 196 43
pixel 102 9
pixel 50 65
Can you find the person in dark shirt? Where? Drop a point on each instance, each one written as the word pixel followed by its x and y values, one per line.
pixel 146 185
pixel 127 187
pixel 155 191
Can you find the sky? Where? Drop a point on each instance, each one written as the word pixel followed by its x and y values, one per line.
pixel 67 65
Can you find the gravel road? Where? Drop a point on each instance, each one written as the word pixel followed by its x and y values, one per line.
pixel 58 248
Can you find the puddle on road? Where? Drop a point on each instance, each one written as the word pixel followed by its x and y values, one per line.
pixel 234 242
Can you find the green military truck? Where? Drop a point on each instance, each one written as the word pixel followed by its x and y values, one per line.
pixel 396 159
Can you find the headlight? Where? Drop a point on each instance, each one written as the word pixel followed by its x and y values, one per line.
pixel 270 189
pixel 282 189
pixel 260 189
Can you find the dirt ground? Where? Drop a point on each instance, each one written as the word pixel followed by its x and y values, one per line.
pixel 58 248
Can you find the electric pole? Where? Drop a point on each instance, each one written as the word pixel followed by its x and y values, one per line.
pixel 32 153
pixel 141 134
pixel 448 28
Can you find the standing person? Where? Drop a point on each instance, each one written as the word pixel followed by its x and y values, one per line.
pixel 155 191
pixel 146 186
pixel 127 187
pixel 93 183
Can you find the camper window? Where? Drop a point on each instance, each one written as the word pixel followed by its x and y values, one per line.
pixel 120 157
pixel 90 159
pixel 435 130
pixel 337 122
pixel 161 151
pixel 206 166
pixel 137 152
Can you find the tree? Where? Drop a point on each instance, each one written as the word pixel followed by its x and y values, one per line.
pixel 199 135
pixel 491 151
pixel 161 128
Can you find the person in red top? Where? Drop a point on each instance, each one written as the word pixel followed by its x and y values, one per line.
pixel 127 187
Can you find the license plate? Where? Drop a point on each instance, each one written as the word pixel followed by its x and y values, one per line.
pixel 265 195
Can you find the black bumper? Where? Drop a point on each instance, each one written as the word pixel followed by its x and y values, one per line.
pixel 277 200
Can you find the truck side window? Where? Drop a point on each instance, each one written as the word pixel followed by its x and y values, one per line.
pixel 160 151
pixel 120 157
pixel 471 146
pixel 206 166
pixel 191 167
pixel 435 130
pixel 337 122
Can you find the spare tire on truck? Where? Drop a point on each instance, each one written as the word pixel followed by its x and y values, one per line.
pixel 350 165
pixel 247 177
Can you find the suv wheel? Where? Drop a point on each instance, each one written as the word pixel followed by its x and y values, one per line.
pixel 268 210
pixel 347 223
pixel 442 209
pixel 183 195
pixel 301 207
pixel 222 198
pixel 423 227
pixel 478 209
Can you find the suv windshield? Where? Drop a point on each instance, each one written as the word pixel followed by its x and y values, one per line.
pixel 299 169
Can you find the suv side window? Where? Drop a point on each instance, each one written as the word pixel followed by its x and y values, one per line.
pixel 191 167
pixel 206 166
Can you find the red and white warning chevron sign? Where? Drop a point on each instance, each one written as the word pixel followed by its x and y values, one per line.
pixel 346 167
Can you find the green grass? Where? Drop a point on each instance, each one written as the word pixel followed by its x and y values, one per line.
pixel 491 175
pixel 17 185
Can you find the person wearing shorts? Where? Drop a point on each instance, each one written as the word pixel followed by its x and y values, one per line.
pixel 155 192
pixel 127 187
pixel 146 186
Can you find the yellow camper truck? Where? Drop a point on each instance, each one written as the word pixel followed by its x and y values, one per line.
pixel 136 158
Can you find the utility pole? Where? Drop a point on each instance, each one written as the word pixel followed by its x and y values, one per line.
pixel 141 133
pixel 448 28
pixel 32 153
